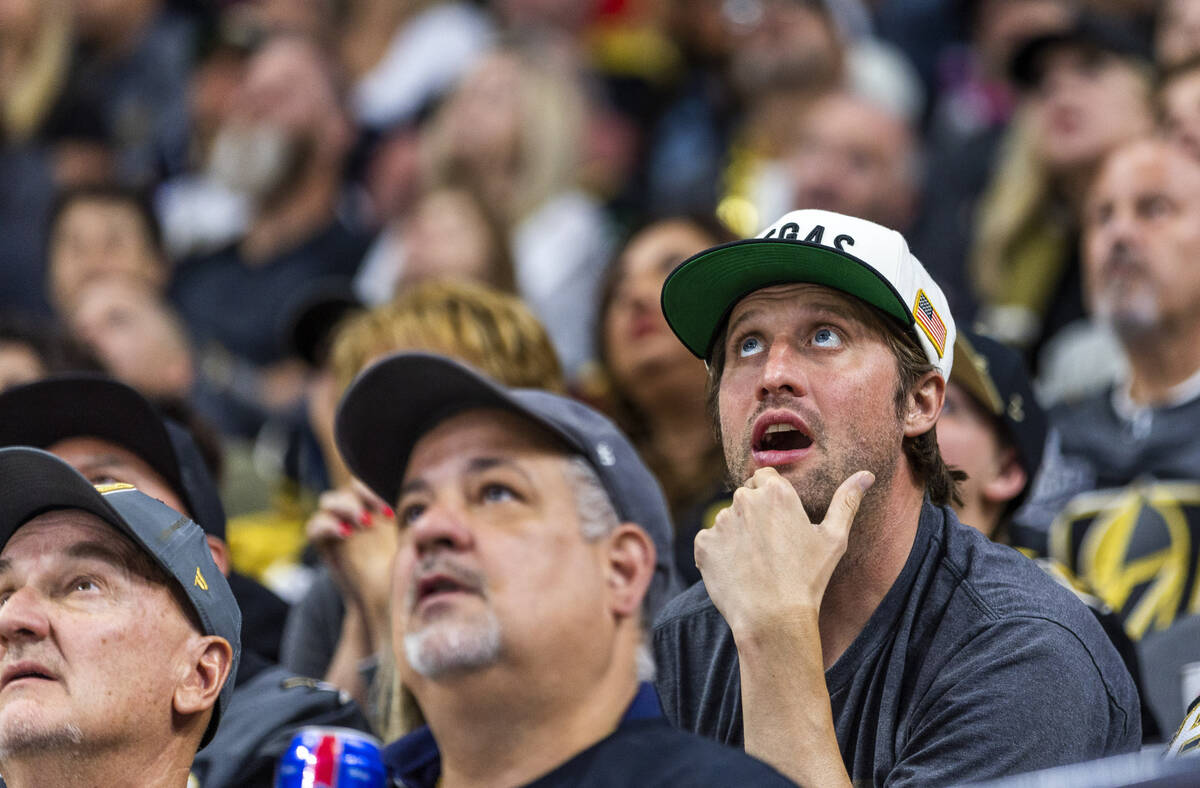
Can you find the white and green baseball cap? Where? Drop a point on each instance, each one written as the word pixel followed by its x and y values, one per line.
pixel 857 257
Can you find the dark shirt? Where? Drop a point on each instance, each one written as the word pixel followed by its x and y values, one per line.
pixel 643 751
pixel 976 664
pixel 263 616
pixel 313 628
pixel 245 308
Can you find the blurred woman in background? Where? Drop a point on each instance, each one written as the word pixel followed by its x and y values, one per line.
pixel 655 386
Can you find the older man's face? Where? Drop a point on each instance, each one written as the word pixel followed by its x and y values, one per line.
pixel 493 569
pixel 1141 239
pixel 90 650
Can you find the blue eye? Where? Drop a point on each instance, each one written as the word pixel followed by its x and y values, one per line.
pixel 750 346
pixel 826 337
pixel 498 492
pixel 409 514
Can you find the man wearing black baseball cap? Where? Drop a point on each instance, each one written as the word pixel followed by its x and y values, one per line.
pixel 534 547
pixel 848 627
pixel 118 634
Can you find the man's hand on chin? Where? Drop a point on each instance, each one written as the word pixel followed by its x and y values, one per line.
pixel 763 559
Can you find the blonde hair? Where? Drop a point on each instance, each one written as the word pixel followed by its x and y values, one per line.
pixel 33 89
pixel 490 330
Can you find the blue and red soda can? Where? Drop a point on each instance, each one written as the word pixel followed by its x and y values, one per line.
pixel 331 758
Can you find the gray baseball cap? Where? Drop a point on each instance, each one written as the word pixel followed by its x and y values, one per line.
pixel 33 481
pixel 402 397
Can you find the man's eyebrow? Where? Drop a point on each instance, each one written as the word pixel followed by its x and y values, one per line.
pixel 412 486
pixel 99 551
pixel 481 464
pixel 743 317
pixel 102 462
pixel 817 310
pixel 475 466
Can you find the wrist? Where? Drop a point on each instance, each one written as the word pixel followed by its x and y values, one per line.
pixel 775 631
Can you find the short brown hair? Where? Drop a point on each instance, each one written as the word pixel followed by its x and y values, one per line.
pixel 921 451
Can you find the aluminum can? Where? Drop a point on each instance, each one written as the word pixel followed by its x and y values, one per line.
pixel 321 757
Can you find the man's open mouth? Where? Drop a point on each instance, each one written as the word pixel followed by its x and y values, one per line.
pixel 438 585
pixel 782 437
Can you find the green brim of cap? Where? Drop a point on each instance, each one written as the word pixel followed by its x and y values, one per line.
pixel 699 294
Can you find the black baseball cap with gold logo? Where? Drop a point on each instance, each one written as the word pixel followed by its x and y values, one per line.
pixel 33 481
pixel 995 376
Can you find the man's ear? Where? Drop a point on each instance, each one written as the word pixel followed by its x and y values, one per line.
pixel 211 659
pixel 924 404
pixel 220 552
pixel 1008 481
pixel 631 557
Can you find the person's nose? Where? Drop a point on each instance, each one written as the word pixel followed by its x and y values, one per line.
pixel 1120 234
pixel 23 617
pixel 783 372
pixel 440 527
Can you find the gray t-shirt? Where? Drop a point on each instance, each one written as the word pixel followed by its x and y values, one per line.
pixel 975 665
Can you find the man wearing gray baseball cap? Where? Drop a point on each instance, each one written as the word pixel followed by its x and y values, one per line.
pixel 118 633
pixel 534 548
pixel 848 629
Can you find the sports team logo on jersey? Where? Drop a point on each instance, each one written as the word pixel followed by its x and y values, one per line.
pixel 1186 740
pixel 930 322
pixel 1137 548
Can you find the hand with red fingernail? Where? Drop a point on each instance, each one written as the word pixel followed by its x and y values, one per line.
pixel 349 531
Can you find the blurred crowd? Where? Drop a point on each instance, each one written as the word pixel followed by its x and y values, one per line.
pixel 235 206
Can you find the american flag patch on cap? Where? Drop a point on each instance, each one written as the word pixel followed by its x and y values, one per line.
pixel 927 317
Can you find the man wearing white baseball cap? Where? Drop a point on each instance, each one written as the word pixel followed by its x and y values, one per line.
pixel 848 628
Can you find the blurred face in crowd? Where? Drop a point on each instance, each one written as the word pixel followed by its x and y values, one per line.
pixel 645 359
pixel 101 461
pixel 493 567
pixel 19 363
pixel 970 440
pixel 483 116
pixel 1179 105
pixel 1085 103
pixel 1177 35
pixel 809 388
pixel 133 332
pixel 447 235
pixel 92 650
pixel 286 118
pixel 19 18
pixel 96 239
pixel 783 44
pixel 1141 239
pixel 855 158
pixel 1001 26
